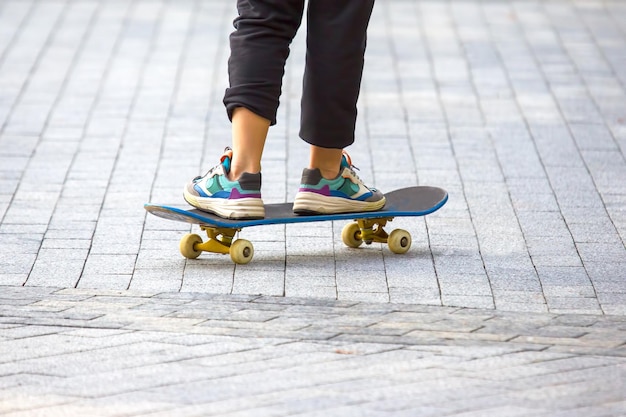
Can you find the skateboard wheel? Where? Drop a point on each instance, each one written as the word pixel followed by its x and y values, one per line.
pixel 188 246
pixel 351 235
pixel 241 251
pixel 399 241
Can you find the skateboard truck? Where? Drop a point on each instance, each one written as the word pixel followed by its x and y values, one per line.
pixel 371 230
pixel 220 240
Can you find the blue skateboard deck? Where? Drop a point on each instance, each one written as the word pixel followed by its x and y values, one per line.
pixel 366 228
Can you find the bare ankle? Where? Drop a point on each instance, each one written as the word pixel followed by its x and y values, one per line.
pixel 235 173
pixel 329 174
pixel 328 161
pixel 240 164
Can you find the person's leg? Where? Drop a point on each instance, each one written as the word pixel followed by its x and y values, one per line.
pixel 332 82
pixel 332 78
pixel 259 49
pixel 249 132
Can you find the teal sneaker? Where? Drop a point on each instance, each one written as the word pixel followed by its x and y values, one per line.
pixel 215 193
pixel 344 194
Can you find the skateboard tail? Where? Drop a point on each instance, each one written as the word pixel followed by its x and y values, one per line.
pixel 171 213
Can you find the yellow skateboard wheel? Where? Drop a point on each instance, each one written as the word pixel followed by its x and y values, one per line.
pixel 351 235
pixel 241 251
pixel 188 246
pixel 399 241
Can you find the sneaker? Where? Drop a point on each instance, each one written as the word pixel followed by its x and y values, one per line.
pixel 344 194
pixel 215 193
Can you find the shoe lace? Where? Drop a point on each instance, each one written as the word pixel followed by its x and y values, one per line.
pixel 352 168
pixel 227 154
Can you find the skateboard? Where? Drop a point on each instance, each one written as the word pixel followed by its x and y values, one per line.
pixel 366 227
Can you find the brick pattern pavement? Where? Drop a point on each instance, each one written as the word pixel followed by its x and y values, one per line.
pixel 124 353
pixel 517 108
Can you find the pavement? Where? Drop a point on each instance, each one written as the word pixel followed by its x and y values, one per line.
pixel 511 301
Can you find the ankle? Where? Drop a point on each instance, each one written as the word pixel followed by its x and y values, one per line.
pixel 329 173
pixel 237 168
pixel 327 160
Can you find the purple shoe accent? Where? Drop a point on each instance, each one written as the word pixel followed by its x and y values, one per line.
pixel 235 195
pixel 325 190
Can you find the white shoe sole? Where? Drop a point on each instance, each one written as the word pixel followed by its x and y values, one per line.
pixel 241 208
pixel 307 202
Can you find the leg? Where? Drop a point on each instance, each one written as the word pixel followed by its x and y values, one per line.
pixel 259 50
pixel 332 78
pixel 249 133
pixel 332 82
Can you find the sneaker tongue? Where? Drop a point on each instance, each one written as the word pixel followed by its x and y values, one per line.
pixel 226 164
pixel 345 161
pixel 225 159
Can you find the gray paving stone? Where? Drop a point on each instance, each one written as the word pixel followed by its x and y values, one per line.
pixel 468 301
pixel 104 281
pixel 149 325
pixel 424 296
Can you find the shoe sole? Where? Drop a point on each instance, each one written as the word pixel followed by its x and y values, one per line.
pixel 313 203
pixel 242 208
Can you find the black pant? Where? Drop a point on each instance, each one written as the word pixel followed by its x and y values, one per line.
pixel 336 40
